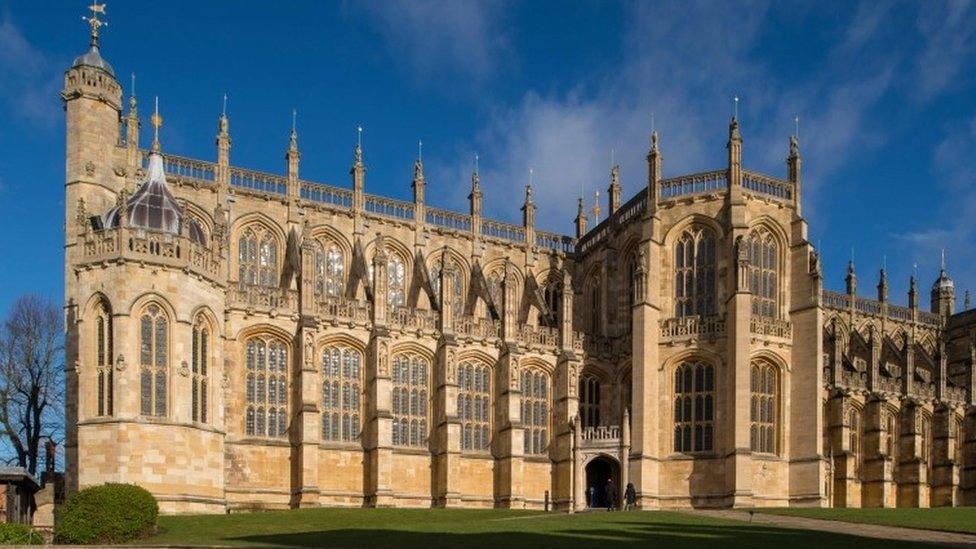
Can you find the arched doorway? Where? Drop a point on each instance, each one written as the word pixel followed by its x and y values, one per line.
pixel 599 472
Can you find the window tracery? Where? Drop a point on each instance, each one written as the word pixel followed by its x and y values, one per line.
pixel 694 272
pixel 410 402
pixel 266 361
pixel 153 360
pixel 199 369
pixel 257 258
pixel 341 393
pixel 763 432
pixel 763 272
pixel 474 397
pixel 535 410
pixel 694 407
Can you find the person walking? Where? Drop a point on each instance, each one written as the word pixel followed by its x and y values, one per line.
pixel 630 497
pixel 611 493
pixel 592 496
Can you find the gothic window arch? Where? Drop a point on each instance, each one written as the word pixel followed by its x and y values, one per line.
pixel 103 359
pixel 535 410
pixel 694 272
pixel 266 392
pixel 474 405
pixel 257 259
pixel 200 349
pixel 342 368
pixel 330 270
pixel 153 360
pixel 763 272
pixel 411 405
pixel 763 431
pixel 854 428
pixel 457 285
pixel 694 407
pixel 589 400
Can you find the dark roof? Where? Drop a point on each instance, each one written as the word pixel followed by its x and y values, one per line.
pixel 92 58
pixel 153 207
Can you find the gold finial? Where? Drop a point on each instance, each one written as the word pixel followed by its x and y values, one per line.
pixel 94 22
pixel 156 122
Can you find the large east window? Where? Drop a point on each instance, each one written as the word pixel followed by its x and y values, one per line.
pixel 330 269
pixel 257 260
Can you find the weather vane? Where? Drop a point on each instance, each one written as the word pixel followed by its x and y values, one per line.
pixel 94 22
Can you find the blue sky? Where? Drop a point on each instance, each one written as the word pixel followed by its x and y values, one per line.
pixel 885 92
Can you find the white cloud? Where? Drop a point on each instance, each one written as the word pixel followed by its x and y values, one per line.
pixel 439 36
pixel 683 64
pixel 27 84
pixel 949 42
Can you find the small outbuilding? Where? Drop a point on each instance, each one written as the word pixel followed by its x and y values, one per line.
pixel 17 489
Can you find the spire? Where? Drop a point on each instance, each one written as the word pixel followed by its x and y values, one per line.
pixel 596 207
pixel 735 149
pixel 156 121
pixel 132 119
pixel 653 172
pixel 943 291
pixel 358 155
pixel 883 286
pixel 475 197
pixel 614 190
pixel 293 138
pixel 851 279
pixel 580 219
pixel 293 155
pixel 223 125
pixel 358 171
pixel 419 182
pixel 913 291
pixel 793 164
pixel 528 208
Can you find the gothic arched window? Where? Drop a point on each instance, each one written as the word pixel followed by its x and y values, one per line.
pixel 457 286
pixel 589 400
pixel 330 270
pixel 474 397
pixel 199 369
pixel 153 360
pixel 266 362
pixel 694 273
pixel 762 431
pixel 535 410
pixel 410 403
pixel 341 393
pixel 103 359
pixel 551 294
pixel 397 281
pixel 257 258
pixel 763 272
pixel 694 407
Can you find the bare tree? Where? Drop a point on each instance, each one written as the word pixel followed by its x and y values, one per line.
pixel 31 378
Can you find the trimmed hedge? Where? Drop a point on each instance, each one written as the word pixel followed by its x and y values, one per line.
pixel 19 534
pixel 110 513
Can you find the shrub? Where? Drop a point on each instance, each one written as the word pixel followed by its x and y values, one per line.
pixel 19 534
pixel 110 513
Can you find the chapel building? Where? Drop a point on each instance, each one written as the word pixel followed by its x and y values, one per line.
pixel 239 339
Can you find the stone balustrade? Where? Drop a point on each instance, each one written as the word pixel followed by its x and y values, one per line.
pixel 481 328
pixel 774 327
pixel 688 327
pixel 601 433
pixel 337 310
pixel 409 319
pixel 257 298
pixel 149 247
pixel 538 336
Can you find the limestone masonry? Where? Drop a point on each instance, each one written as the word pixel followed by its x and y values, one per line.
pixel 239 339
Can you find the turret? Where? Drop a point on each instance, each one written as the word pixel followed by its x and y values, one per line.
pixel 943 292
pixel 613 191
pixel 475 199
pixel 132 135
pixel 528 215
pixel 883 286
pixel 293 156
pixel 912 293
pixel 93 106
pixel 358 173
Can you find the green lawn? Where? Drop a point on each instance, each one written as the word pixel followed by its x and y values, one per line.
pixel 949 519
pixel 496 529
